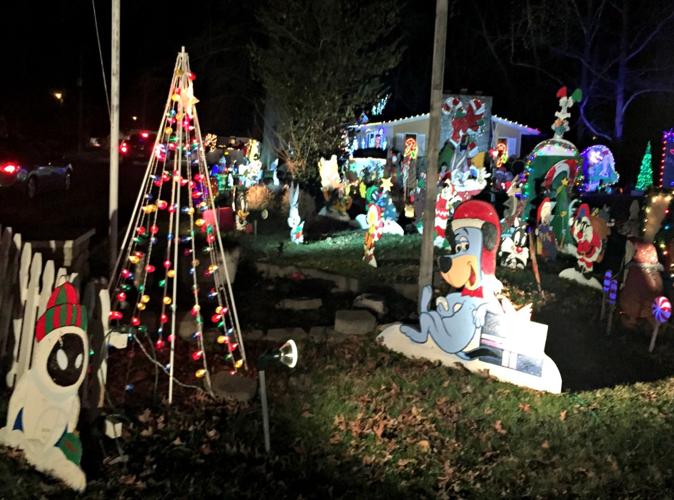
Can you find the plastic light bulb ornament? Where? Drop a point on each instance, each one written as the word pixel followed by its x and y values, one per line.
pixel 134 259
pixel 171 273
pixel 121 296
pixel 222 339
pixel 159 345
pixel 149 268
pixel 140 306
pixel 195 309
pixel 135 321
pixel 162 204
pixel 154 229
pixel 140 230
pixel 115 315
pixel 167 264
pixel 163 319
pixel 199 222
pixel 167 300
pixel 200 373
pixel 238 364
pixel 196 355
pixel 215 318
pixel 126 273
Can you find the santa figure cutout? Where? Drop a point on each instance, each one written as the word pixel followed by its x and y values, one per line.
pixel 590 233
pixel 45 406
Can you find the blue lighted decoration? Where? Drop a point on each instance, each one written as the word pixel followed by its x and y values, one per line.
pixel 598 168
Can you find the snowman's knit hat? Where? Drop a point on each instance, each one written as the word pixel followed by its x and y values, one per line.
pixel 63 309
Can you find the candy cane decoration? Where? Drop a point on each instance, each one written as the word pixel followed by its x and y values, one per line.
pixel 662 311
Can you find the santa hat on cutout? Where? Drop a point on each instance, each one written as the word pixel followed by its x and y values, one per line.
pixel 63 309
pixel 481 215
pixel 539 212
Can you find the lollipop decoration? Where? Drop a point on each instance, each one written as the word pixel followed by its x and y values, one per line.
pixel 662 311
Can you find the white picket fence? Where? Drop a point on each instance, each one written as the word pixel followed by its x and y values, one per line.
pixel 26 282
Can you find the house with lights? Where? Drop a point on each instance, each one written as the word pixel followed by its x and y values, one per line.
pixel 394 133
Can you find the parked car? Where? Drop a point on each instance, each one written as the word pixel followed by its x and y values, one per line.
pixel 138 145
pixel 33 167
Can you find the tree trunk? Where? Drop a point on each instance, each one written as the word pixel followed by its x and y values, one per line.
pixel 621 77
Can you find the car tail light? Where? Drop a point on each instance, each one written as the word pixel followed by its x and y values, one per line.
pixel 124 148
pixel 9 169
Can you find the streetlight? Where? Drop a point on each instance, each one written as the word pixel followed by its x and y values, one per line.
pixel 58 95
pixel 134 118
pixel 286 355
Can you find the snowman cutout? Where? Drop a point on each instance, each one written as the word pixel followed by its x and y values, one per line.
pixel 44 407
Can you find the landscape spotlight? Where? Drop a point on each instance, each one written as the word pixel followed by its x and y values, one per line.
pixel 286 355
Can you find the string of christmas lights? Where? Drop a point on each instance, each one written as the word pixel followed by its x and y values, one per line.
pixel 176 187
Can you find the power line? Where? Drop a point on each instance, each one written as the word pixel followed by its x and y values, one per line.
pixel 100 55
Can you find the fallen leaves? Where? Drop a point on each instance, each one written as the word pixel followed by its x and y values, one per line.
pixel 424 445
pixel 498 427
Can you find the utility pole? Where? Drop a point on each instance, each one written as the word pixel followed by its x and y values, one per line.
pixel 114 133
pixel 437 81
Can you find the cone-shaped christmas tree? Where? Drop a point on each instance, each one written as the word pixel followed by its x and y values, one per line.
pixel 173 246
pixel 645 179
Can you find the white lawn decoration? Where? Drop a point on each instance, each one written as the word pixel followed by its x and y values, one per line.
pixel 45 406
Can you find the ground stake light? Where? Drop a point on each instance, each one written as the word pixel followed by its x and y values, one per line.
pixel 286 355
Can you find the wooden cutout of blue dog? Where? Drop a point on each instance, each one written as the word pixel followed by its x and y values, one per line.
pixel 471 326
pixel 458 318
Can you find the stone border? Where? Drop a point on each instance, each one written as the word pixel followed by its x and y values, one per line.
pixel 342 283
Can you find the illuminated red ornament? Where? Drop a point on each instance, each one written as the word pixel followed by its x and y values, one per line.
pixel 121 296
pixel 165 176
pixel 157 182
pixel 116 315
pixel 162 204
pixel 195 310
pixel 135 321
pixel 167 264
pixel 232 347
pixel 170 338
pixel 159 344
pixel 125 273
pixel 149 268
pixel 196 355
pixel 210 238
pixel 191 76
pixel 198 177
pixel 183 181
pixel 163 319
pixel 154 229
pixel 196 194
pixel 140 230
pixel 215 318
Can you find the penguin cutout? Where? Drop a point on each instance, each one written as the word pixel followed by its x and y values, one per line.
pixel 44 407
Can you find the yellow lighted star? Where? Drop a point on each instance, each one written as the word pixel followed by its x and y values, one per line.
pixel 386 184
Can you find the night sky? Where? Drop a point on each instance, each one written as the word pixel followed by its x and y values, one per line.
pixel 51 46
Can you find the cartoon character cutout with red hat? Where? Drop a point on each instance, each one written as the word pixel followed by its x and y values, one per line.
pixel 45 406
pixel 456 322
pixel 589 232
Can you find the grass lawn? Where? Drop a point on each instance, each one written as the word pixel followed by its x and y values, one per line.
pixel 354 420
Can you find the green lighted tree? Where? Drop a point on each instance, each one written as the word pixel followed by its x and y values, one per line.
pixel 645 179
